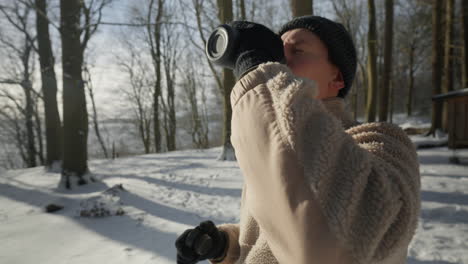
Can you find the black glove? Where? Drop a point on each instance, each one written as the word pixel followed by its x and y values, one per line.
pixel 257 45
pixel 203 242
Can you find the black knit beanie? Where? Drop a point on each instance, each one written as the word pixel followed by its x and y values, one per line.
pixel 341 50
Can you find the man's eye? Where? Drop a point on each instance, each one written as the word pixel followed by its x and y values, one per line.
pixel 297 51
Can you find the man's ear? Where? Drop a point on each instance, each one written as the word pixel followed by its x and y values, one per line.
pixel 338 81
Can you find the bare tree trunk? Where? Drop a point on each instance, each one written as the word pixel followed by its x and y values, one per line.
pixel 144 128
pixel 29 114
pixel 114 153
pixel 391 101
pixel 89 85
pixel 171 122
pixel 195 117
pixel 225 16
pixel 437 50
pixel 198 128
pixel 157 95
pixel 165 121
pixel 17 131
pixel 448 47
pixel 147 130
pixel 169 57
pixel 144 125
pixel 204 121
pixel 18 18
pixel 409 104
pixel 155 49
pixel 29 108
pixel 172 126
pixel 387 74
pixel 371 64
pixel 464 26
pixel 242 9
pixel 302 7
pixel 75 115
pixel 198 15
pixel 448 62
pixel 49 87
pixel 140 94
pixel 253 10
pixel 38 126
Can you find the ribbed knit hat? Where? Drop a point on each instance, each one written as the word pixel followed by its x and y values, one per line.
pixel 341 50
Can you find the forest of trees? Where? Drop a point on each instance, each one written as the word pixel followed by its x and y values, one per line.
pixel 408 51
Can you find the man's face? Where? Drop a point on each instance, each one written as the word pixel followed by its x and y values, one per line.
pixel 307 57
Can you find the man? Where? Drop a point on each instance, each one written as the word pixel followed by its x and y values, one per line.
pixel 318 187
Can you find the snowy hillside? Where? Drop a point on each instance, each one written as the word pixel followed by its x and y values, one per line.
pixel 163 194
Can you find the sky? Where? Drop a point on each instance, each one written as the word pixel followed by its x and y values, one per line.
pixel 105 46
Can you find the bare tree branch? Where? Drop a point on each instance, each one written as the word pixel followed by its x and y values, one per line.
pixel 21 21
pixel 90 28
pixel 197 6
pixel 89 85
pixel 16 130
pixel 31 4
pixel 143 24
pixel 10 81
pixel 13 99
pixel 10 45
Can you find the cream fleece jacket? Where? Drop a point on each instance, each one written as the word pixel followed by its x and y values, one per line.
pixel 318 187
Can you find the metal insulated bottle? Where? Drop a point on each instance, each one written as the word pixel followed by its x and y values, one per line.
pixel 222 45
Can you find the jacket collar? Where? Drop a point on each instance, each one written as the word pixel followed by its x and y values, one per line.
pixel 337 107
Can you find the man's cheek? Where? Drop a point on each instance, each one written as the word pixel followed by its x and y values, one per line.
pixel 295 69
pixel 300 69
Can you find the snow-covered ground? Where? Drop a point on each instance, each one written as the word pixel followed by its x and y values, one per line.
pixel 442 235
pixel 163 194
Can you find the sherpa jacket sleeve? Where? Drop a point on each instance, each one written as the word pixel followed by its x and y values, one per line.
pixel 320 193
pixel 232 251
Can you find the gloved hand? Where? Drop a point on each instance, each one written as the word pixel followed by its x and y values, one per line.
pixel 258 44
pixel 203 242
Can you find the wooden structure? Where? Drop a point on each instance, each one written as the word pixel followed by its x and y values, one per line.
pixel 456 105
